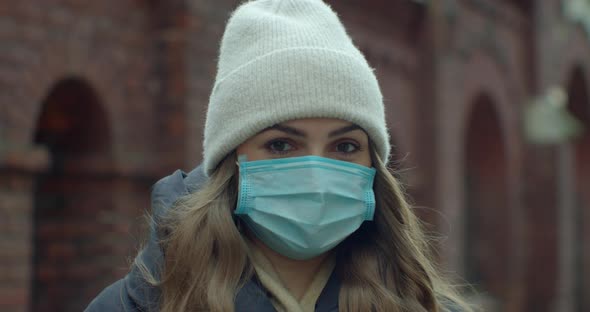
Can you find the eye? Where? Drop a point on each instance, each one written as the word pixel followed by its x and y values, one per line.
pixel 279 146
pixel 347 147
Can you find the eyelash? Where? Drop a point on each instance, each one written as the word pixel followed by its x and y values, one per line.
pixel 268 146
pixel 357 148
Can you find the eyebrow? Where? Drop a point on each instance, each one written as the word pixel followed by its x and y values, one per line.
pixel 343 130
pixel 299 133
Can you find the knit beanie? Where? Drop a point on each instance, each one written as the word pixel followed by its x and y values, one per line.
pixel 288 59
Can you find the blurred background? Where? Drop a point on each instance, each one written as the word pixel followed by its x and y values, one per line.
pixel 487 100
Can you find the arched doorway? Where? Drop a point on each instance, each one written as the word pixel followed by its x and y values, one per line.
pixel 579 106
pixel 69 198
pixel 487 217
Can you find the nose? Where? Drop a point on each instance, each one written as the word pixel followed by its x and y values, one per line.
pixel 317 150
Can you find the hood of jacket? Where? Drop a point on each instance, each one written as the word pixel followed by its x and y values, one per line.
pixel 164 194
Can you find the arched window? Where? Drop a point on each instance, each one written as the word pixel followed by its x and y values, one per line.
pixel 579 106
pixel 69 198
pixel 487 218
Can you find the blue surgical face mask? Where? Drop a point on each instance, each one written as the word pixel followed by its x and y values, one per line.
pixel 302 207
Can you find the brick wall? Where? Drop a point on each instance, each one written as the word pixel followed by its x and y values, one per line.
pixel 61 263
pixel 15 243
pixel 150 66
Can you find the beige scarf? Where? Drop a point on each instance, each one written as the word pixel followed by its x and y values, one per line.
pixel 282 299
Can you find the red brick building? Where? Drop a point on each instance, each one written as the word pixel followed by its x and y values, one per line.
pixel 99 99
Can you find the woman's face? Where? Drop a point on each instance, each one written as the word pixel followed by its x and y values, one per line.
pixel 325 137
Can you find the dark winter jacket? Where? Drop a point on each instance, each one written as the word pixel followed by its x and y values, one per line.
pixel 133 294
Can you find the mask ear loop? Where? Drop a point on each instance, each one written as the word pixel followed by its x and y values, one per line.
pixel 237 221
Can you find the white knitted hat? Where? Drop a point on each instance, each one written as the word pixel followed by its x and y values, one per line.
pixel 288 59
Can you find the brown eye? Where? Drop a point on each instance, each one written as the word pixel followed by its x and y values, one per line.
pixel 347 147
pixel 279 146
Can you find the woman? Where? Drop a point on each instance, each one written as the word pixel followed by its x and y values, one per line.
pixel 293 208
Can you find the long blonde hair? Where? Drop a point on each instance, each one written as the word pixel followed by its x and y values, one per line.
pixel 385 266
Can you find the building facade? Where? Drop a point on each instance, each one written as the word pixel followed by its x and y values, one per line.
pixel 98 100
